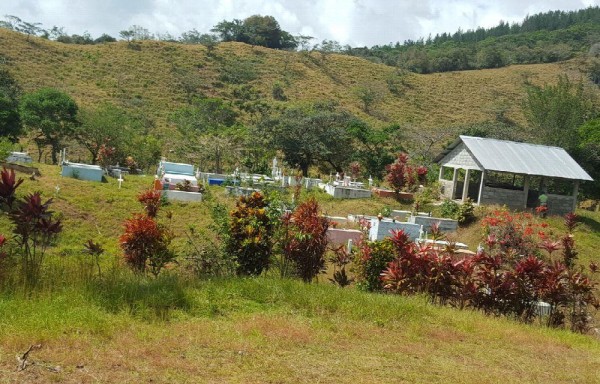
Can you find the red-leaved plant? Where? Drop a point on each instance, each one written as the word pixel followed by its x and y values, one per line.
pixel 508 279
pixel 305 241
pixel 400 174
pixel 34 229
pixel 8 186
pixel 150 200
pixel 145 244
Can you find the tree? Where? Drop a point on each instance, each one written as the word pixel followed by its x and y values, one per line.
pixel 556 111
pixel 51 116
pixel 10 120
pixel 104 38
pixel 307 135
pixel 256 30
pixel 18 25
pixel 368 95
pixel 126 35
pixel 105 125
pixel 210 128
pixel 588 155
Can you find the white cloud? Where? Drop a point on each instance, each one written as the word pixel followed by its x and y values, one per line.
pixel 354 22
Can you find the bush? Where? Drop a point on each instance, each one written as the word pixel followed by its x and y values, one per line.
pixel 305 242
pixel 145 244
pixel 509 278
pixel 8 187
pixel 250 235
pixel 371 259
pixel 463 213
pixel 151 201
pixel 34 229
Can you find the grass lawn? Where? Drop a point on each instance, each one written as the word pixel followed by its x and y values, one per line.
pixel 271 330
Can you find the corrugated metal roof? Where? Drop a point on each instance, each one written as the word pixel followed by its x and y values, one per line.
pixel 523 158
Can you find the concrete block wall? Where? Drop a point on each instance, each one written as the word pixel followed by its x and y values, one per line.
pixel 513 199
pixel 559 204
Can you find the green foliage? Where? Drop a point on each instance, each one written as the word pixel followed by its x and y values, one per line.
pixel 554 112
pixel 278 92
pixel 10 120
pixel 541 38
pixel 370 261
pixel 250 235
pixel 50 115
pixel 255 30
pixel 106 125
pixel 310 135
pixel 588 156
pixel 464 213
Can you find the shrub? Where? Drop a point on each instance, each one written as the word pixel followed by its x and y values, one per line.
pixel 400 174
pixel 508 279
pixel 34 229
pixel 95 250
pixel 205 258
pixel 8 187
pixel 151 201
pixel 463 213
pixel 340 259
pixel 145 244
pixel 250 235
pixel 307 244
pixel 371 259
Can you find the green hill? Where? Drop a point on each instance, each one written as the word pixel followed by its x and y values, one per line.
pixel 155 78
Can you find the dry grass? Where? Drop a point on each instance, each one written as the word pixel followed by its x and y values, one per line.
pixel 279 345
pixel 149 80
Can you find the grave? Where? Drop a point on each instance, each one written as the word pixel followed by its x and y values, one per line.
pixel 341 192
pixel 446 225
pixel 82 171
pixel 174 177
pixel 19 157
pixel 341 236
pixel 381 229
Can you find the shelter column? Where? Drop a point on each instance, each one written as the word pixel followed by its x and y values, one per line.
pixel 454 180
pixel 525 190
pixel 575 193
pixel 481 187
pixel 465 191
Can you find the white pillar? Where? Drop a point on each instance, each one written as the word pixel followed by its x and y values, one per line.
pixel 481 187
pixel 575 193
pixel 525 189
pixel 465 191
pixel 441 172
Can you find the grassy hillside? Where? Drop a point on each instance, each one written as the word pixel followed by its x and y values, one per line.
pixel 155 78
pixel 270 330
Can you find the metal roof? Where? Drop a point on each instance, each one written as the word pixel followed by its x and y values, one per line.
pixel 522 158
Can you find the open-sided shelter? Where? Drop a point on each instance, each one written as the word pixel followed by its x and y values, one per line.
pixel 491 171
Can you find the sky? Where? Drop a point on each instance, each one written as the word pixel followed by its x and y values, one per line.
pixel 353 22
